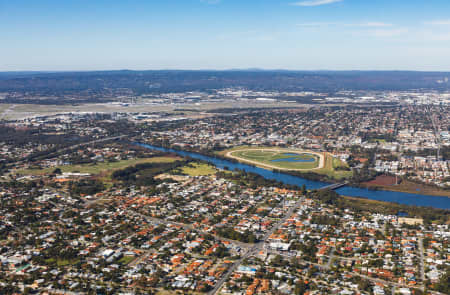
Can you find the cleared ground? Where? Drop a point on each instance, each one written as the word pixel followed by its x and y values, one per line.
pixel 282 159
pixel 388 183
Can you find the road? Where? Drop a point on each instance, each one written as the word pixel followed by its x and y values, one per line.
pixel 189 227
pixel 140 258
pixel 373 280
pixel 421 263
pixel 330 259
pixel 91 142
pixel 437 136
pixel 321 266
pixel 386 283
pixel 255 249
pixel 76 146
pixel 65 292
pixel 333 186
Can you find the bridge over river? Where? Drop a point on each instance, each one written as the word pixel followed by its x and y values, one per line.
pixel 341 188
pixel 333 186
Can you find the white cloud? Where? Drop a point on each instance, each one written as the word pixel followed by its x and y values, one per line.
pixel 442 22
pixel 388 32
pixel 374 24
pixel 433 35
pixel 327 24
pixel 315 2
pixel 441 37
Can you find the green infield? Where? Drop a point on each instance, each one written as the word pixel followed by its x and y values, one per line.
pixel 275 158
pixel 291 159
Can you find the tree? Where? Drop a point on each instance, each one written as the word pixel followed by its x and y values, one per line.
pixel 443 285
pixel 57 171
pixel 300 288
pixel 303 189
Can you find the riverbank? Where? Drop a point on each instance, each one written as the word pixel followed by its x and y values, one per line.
pixel 441 202
pixel 430 215
pixel 406 186
pixel 327 173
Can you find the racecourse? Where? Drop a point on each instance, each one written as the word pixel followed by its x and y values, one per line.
pixel 268 154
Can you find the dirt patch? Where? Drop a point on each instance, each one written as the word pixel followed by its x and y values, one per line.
pixel 406 186
pixel 383 180
pixel 174 177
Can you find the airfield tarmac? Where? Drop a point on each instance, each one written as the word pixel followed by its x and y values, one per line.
pixel 24 111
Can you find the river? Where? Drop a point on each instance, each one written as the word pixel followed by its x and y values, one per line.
pixel 379 195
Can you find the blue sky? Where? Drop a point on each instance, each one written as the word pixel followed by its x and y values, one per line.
pixel 225 34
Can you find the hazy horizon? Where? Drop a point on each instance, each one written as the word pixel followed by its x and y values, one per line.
pixel 299 35
pixel 216 70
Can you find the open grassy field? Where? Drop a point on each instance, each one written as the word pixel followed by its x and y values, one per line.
pixel 198 169
pixel 331 168
pixel 61 262
pixel 98 168
pixel 126 260
pixel 264 157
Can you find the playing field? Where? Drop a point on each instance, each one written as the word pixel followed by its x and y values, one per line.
pixel 284 159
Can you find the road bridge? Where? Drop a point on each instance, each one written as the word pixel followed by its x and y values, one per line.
pixel 333 186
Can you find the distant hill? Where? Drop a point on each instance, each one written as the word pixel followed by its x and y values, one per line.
pixel 90 85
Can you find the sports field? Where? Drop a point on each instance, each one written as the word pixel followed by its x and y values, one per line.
pixel 283 159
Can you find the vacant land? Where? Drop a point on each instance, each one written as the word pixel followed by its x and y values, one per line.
pixel 334 168
pixel 61 262
pixel 98 168
pixel 5 109
pixel 383 180
pixel 198 169
pixel 388 183
pixel 126 260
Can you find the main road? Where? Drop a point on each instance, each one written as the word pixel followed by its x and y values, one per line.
pixel 255 249
pixel 421 261
pixel 77 146
pixel 327 266
pixel 188 227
